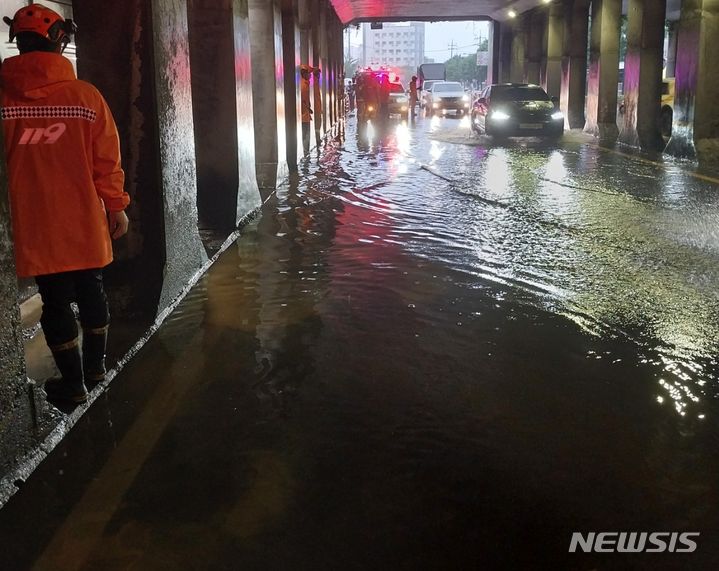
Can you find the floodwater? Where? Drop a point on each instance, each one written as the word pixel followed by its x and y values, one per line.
pixel 428 353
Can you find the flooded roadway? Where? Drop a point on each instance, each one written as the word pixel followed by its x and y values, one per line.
pixel 428 353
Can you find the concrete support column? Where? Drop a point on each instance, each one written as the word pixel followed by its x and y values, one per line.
pixel 149 92
pixel 672 49
pixel 222 201
pixel 505 52
pixel 603 69
pixel 268 92
pixel 495 34
pixel 304 14
pixel 551 70
pixel 291 64
pixel 323 63
pixel 643 74
pixel 517 68
pixel 695 133
pixel 331 75
pixel 248 196
pixel 574 62
pixel 536 22
pixel 317 59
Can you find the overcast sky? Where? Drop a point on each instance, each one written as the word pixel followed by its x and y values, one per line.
pixel 440 35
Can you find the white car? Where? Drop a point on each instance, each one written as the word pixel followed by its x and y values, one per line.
pixel 445 96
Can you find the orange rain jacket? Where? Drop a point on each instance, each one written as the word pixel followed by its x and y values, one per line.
pixel 64 172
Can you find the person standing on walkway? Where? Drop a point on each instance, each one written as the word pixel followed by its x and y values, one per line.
pixel 305 73
pixel 66 192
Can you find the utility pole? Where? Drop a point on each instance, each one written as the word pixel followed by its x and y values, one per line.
pixel 452 46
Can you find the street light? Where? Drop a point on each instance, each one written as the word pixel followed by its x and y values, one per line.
pixel 512 14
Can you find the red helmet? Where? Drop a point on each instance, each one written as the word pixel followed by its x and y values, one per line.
pixel 40 20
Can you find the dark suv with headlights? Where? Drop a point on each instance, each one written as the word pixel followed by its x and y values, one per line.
pixel 517 110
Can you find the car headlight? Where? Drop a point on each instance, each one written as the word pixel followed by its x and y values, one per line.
pixel 558 116
pixel 370 108
pixel 465 98
pixel 500 116
pixel 435 105
pixel 402 100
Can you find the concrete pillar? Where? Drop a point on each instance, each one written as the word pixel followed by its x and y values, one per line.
pixel 574 62
pixel 517 68
pixel 536 22
pixel 268 92
pixel 248 195
pixel 603 69
pixel 292 61
pixel 695 133
pixel 213 57
pixel 672 49
pixel 551 70
pixel 145 44
pixel 317 59
pixel 324 79
pixel 495 34
pixel 643 74
pixel 505 52
pixel 304 14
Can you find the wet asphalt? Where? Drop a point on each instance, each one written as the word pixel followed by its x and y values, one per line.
pixel 429 352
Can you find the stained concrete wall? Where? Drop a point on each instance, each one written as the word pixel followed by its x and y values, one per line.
pixel 25 417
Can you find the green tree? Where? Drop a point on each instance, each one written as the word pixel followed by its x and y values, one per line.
pixel 462 68
pixel 350 66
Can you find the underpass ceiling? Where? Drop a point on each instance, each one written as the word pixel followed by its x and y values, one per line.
pixel 354 11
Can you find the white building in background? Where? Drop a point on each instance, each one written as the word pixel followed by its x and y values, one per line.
pixel 395 45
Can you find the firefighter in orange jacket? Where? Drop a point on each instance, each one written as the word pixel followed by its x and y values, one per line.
pixel 305 74
pixel 66 192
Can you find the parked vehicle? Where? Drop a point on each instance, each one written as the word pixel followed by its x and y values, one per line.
pixel 667 113
pixel 666 117
pixel 426 87
pixel 517 110
pixel 447 96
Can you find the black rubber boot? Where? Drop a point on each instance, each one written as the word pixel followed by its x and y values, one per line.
pixel 69 387
pixel 94 347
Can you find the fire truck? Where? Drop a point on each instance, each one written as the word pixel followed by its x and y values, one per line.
pixel 373 88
